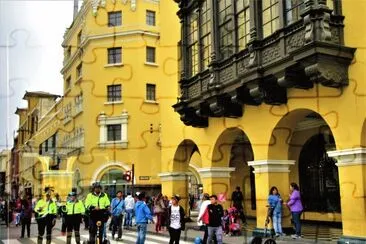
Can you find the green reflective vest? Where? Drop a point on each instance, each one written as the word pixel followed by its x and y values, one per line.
pixel 93 201
pixel 76 207
pixel 44 207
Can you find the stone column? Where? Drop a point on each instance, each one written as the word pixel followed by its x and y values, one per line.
pixel 352 182
pixel 173 183
pixel 216 180
pixel 270 173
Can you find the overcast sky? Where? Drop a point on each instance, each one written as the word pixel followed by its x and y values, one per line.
pixel 35 32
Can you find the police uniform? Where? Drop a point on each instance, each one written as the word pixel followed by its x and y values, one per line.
pixel 73 210
pixel 46 211
pixel 92 202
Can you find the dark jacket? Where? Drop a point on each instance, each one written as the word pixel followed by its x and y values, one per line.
pixel 182 214
pixel 215 213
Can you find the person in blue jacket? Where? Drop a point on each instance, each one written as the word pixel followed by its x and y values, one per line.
pixel 142 215
pixel 275 202
pixel 117 209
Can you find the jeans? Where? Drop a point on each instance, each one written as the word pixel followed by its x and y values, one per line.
pixel 141 233
pixel 26 222
pixel 297 223
pixel 117 225
pixel 128 218
pixel 174 235
pixel 217 231
pixel 158 221
pixel 277 222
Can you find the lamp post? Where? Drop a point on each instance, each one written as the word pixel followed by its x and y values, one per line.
pixel 114 187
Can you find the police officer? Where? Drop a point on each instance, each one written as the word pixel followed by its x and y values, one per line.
pixel 97 203
pixel 74 209
pixel 46 210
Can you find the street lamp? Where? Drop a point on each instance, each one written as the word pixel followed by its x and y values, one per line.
pixel 115 187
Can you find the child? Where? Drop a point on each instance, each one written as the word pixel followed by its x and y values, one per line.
pixel 226 222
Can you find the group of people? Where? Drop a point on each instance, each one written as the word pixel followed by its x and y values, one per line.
pixel 97 207
pixel 293 203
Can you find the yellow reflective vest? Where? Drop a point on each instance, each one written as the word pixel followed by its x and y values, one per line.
pixel 92 201
pixel 44 208
pixel 76 207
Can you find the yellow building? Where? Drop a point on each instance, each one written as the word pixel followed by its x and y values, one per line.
pixel 271 92
pixel 5 172
pixel 120 58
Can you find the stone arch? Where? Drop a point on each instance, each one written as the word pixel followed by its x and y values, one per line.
pixel 183 155
pixel 233 149
pixel 108 166
pixel 305 136
pixel 283 132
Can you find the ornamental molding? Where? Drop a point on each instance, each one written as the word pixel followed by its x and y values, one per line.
pixel 215 172
pixel 173 176
pixel 271 166
pixel 349 157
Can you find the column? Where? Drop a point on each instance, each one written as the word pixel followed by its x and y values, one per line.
pixel 173 183
pixel 270 173
pixel 352 182
pixel 216 180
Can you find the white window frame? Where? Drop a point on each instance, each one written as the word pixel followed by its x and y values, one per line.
pixel 122 120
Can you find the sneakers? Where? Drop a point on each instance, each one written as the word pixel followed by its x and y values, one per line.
pixel 295 236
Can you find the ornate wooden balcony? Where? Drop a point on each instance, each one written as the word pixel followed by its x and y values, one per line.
pixel 309 51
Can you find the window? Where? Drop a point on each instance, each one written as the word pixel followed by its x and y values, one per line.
pixel 114 19
pixel 68 52
pixel 205 33
pixel 293 9
pixel 78 103
pixel 150 92
pixel 67 113
pixel 113 132
pixel 79 70
pixel 150 17
pixel 79 39
pixel 270 17
pixel 243 24
pixel 150 54
pixel 225 28
pixel 68 83
pixel 193 44
pixel 114 93
pixel 114 55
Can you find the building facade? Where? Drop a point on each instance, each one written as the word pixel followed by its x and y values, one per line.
pixel 120 58
pixel 271 92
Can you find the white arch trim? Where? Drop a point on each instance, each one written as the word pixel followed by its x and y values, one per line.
pixel 194 170
pixel 109 165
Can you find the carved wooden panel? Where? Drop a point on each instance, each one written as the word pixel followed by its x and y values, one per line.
pixel 295 41
pixel 227 74
pixel 194 90
pixel 242 65
pixel 271 53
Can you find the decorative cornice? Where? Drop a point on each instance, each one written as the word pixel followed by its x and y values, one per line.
pixel 173 176
pixel 215 172
pixel 271 166
pixel 349 157
pixel 57 173
pixel 87 39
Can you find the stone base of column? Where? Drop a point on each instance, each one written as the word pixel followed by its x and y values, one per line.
pixel 351 240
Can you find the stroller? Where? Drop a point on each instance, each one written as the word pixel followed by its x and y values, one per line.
pixel 234 221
